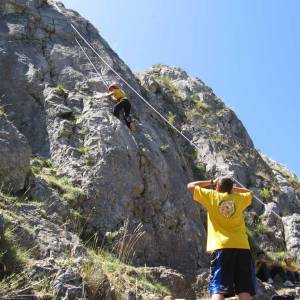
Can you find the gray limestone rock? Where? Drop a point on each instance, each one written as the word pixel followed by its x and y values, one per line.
pixel 67 284
pixel 2 227
pixel 14 157
pixel 292 235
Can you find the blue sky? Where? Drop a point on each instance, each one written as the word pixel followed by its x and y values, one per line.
pixel 247 51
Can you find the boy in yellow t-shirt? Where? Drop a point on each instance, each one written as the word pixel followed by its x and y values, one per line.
pixel 292 270
pixel 122 105
pixel 232 267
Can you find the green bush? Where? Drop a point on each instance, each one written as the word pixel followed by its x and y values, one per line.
pixel 201 106
pixel 2 111
pixel 191 113
pixel 265 193
pixel 164 148
pixel 170 85
pixel 171 118
pixel 60 90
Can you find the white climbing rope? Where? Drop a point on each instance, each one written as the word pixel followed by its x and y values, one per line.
pixel 98 72
pixel 143 99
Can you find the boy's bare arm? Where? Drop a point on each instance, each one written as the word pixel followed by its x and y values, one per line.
pixel 204 183
pixel 237 189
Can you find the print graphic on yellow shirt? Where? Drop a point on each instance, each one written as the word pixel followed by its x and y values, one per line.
pixel 225 220
pixel 118 95
pixel 227 208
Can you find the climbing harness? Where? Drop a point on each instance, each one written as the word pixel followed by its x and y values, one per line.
pixel 141 97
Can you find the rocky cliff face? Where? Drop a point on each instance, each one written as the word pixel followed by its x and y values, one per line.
pixel 91 172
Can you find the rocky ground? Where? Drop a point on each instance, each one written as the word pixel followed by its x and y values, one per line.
pixel 92 210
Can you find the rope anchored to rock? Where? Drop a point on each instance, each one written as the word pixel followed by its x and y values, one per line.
pixel 77 32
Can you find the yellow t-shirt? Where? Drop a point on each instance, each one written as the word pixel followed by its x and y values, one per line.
pixel 225 220
pixel 118 94
pixel 292 267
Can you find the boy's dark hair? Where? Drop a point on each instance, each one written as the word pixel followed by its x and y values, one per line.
pixel 258 254
pixel 225 184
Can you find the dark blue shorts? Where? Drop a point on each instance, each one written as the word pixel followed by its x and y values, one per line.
pixel 232 272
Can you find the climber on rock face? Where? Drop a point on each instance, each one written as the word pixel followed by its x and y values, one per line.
pixel 123 105
pixel 232 267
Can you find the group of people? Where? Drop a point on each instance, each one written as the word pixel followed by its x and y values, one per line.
pixel 287 270
pixel 232 267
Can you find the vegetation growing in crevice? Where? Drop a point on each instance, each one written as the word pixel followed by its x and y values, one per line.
pixel 104 269
pixel 201 106
pixel 170 85
pixel 60 90
pixel 45 169
pixel 12 257
pixel 266 194
pixel 171 118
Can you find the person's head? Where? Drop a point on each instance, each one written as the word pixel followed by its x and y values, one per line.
pixel 261 255
pixel 225 184
pixel 113 86
pixel 288 260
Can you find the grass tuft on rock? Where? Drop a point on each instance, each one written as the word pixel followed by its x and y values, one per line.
pixel 45 169
pixel 104 269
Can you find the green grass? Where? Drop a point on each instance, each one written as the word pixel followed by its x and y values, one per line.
pixel 13 257
pixel 261 228
pixel 42 165
pixel 278 256
pixel 103 266
pixel 295 182
pixel 45 169
pixel 64 187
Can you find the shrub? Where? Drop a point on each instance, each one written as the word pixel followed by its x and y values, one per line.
pixel 171 118
pixel 164 148
pixel 170 85
pixel 60 90
pixel 265 193
pixel 201 106
pixel 2 111
pixel 191 113
pixel 84 150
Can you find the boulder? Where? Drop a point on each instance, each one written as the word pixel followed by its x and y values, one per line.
pixel 14 157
